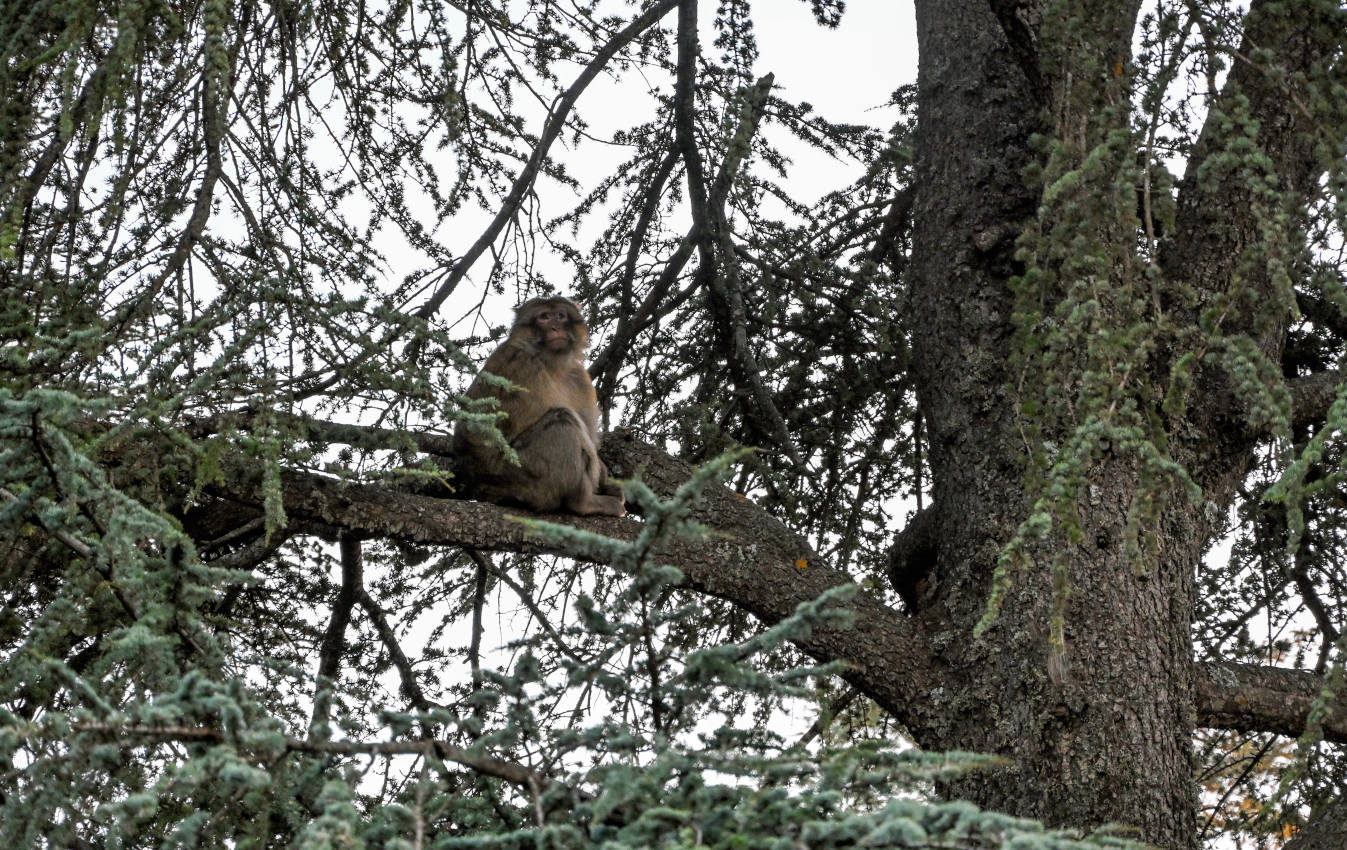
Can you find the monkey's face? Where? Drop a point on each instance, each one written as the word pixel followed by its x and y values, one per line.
pixel 552 326
pixel 554 329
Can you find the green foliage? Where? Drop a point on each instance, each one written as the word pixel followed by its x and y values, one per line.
pixel 217 218
pixel 202 762
pixel 1099 315
pixel 1115 333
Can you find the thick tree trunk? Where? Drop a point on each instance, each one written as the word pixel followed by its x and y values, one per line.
pixel 1099 733
pixel 1096 730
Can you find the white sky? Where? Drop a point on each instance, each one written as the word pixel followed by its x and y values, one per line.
pixel 846 73
pixel 842 72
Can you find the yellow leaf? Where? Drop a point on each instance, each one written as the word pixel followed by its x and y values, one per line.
pixel 801 563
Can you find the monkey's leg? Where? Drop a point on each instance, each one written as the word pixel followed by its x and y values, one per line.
pixel 559 468
pixel 607 485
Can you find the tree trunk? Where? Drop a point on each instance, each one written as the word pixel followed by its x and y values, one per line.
pixel 1096 731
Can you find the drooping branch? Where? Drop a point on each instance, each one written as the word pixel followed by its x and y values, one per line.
pixel 556 121
pixel 87 103
pixel 515 774
pixel 478 603
pixel 216 83
pixel 727 297
pixel 1222 209
pixel 485 566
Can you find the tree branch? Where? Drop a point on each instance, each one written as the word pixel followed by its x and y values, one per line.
pixel 334 639
pixel 616 351
pixel 1020 22
pixel 1327 829
pixel 556 120
pixel 1250 698
pixel 410 688
pixel 515 774
pixel 1221 209
pixel 753 560
pixel 1312 395
pixel 913 555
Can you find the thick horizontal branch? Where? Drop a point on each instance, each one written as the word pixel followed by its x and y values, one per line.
pixel 758 564
pixel 1311 397
pixel 752 560
pixel 1251 698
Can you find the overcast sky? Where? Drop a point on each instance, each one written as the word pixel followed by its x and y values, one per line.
pixel 842 72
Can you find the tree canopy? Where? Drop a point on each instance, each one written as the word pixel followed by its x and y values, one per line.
pixel 992 498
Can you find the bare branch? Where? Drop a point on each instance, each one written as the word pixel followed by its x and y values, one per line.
pixel 478 602
pixel 556 120
pixel 515 774
pixel 334 639
pixel 617 349
pixel 828 715
pixel 411 689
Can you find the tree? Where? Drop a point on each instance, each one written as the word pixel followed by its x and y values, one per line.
pixel 224 428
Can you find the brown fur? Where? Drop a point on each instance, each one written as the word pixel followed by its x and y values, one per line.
pixel 551 419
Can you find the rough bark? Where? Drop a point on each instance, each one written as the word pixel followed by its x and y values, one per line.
pixel 1327 829
pixel 1098 731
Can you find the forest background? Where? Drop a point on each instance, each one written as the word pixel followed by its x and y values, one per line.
pixel 993 437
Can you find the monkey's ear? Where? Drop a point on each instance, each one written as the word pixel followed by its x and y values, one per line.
pixel 526 312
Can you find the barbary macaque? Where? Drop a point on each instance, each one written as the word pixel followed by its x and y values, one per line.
pixel 551 420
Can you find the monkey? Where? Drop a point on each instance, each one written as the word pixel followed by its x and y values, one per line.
pixel 551 420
